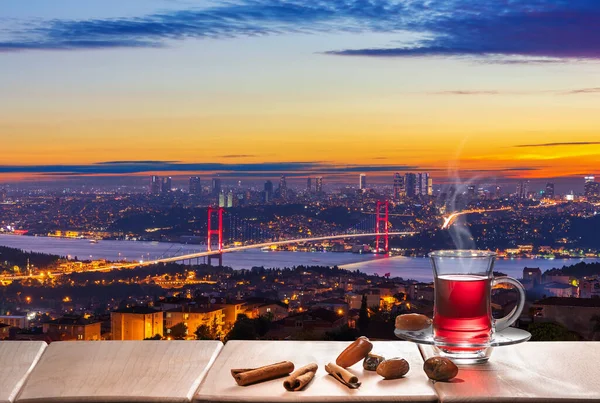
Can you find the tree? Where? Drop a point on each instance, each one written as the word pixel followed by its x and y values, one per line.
pixel 214 329
pixel 548 331
pixel 179 331
pixel 399 296
pixel 595 320
pixel 203 332
pixel 243 329
pixel 344 333
pixel 363 315
pixel 155 337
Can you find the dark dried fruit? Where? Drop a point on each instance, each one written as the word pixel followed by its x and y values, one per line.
pixel 354 352
pixel 412 322
pixel 393 368
pixel 372 361
pixel 440 369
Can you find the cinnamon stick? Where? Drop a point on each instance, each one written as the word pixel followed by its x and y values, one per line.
pixel 342 375
pixel 300 378
pixel 247 376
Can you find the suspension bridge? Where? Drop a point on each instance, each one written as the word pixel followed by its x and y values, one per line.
pixel 227 233
pixel 254 236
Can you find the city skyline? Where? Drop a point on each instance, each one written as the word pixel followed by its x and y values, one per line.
pixel 334 90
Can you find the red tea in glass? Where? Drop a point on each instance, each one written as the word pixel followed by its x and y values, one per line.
pixel 462 309
pixel 462 314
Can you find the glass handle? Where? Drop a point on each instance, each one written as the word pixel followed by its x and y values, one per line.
pixel 503 323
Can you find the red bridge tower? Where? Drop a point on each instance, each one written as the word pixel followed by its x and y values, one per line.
pixel 218 232
pixel 382 217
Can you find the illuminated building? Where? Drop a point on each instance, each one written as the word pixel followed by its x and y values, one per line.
pixel 319 184
pixel 497 192
pixel 268 192
pixel 422 183
pixel 309 184
pixel 216 186
pixel 399 186
pixel 590 187
pixel 229 199
pixel 522 189
pixel 362 182
pixel 195 187
pixel 549 193
pixel 429 186
pixel 19 321
pixel 532 277
pixel 283 187
pixel 155 185
pixel 136 323
pixel 194 317
pixel 410 183
pixel 73 327
pixel 166 185
pixel 471 191
pixel 4 331
pixel 221 199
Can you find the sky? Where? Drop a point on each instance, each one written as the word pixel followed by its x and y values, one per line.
pixel 498 89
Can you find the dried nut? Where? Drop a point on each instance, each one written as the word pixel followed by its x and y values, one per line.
pixel 440 369
pixel 412 322
pixel 393 368
pixel 372 361
pixel 354 352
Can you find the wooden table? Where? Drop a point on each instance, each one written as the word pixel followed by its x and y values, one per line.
pixel 539 372
pixel 17 359
pixel 120 371
pixel 219 385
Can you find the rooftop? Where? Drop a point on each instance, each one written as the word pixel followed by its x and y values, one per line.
pixel 579 302
pixel 137 309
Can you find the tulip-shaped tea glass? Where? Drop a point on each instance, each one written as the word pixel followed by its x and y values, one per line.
pixel 462 321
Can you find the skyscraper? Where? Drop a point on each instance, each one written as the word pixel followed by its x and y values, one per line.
pixel 522 189
pixel 229 199
pixel 549 193
pixel 216 186
pixel 410 183
pixel 471 191
pixel 195 188
pixel 422 181
pixel 268 192
pixel 590 187
pixel 362 181
pixel 283 188
pixel 166 185
pixel 319 184
pixel 309 184
pixel 155 185
pixel 399 186
pixel 429 186
pixel 221 199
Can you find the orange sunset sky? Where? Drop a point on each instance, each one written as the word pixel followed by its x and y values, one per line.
pixel 293 90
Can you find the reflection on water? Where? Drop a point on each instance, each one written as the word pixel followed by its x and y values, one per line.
pixel 398 266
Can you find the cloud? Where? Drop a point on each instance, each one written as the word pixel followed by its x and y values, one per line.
pixel 237 156
pixel 542 31
pixel 138 167
pixel 594 90
pixel 572 143
pixel 578 91
pixel 466 92
pixel 508 32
